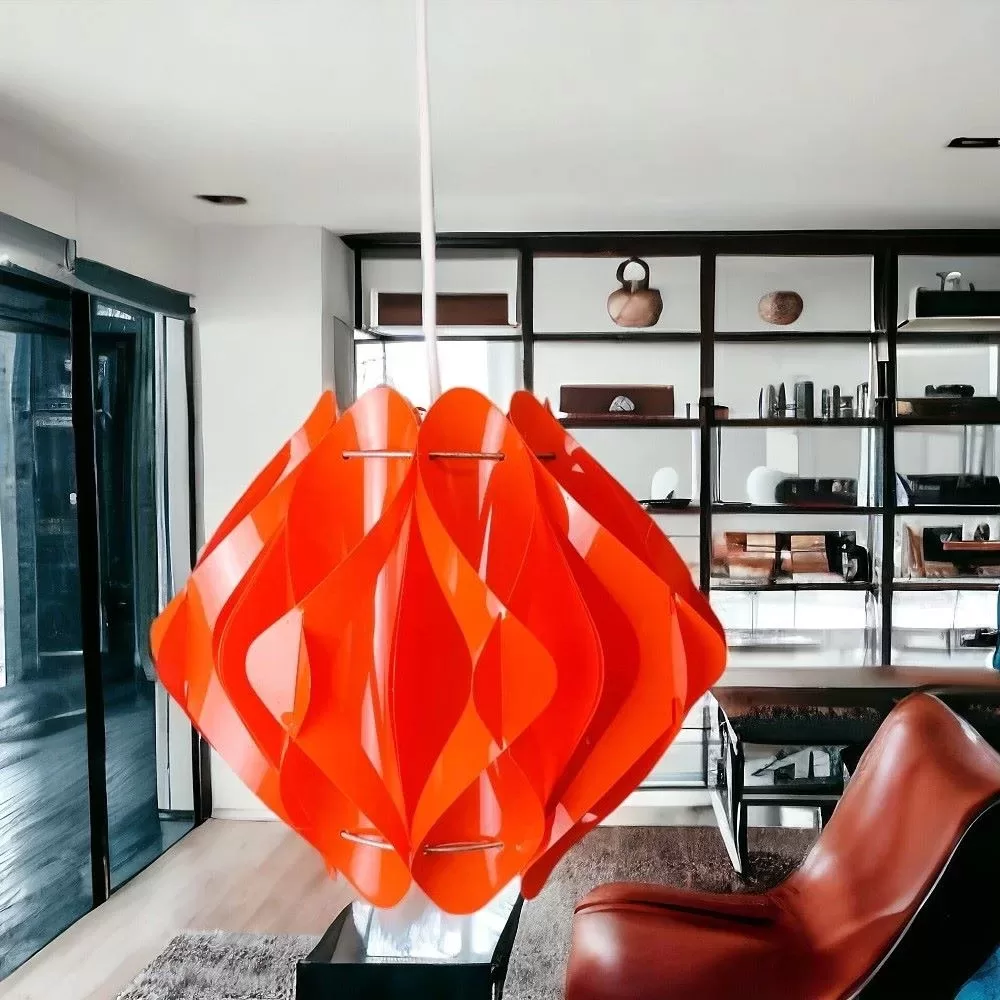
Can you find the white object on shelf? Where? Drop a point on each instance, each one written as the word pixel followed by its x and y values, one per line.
pixel 664 483
pixel 762 483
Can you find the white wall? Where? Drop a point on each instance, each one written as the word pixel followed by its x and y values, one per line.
pixel 39 187
pixel 265 300
pixel 259 302
pixel 114 232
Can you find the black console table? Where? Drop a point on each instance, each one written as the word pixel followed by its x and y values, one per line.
pixel 413 950
pixel 838 709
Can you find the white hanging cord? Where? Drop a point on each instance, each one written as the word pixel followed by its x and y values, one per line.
pixel 428 236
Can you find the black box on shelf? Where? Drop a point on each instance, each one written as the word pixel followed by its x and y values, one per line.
pixel 949 489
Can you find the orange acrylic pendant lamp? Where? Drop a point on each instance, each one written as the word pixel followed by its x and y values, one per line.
pixel 440 648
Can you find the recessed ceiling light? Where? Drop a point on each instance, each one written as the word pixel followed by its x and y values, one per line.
pixel 975 142
pixel 222 199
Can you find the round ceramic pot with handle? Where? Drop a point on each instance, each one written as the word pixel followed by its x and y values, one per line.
pixel 635 304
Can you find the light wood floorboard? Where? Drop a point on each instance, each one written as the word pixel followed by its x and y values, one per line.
pixel 226 875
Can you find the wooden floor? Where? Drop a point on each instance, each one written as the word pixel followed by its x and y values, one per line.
pixel 226 875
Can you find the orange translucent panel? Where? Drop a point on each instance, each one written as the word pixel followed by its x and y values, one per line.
pixel 608 502
pixel 440 650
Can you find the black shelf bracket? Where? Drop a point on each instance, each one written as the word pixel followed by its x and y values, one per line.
pixel 706 418
pixel 886 279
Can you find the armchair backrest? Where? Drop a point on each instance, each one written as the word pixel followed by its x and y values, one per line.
pixel 922 781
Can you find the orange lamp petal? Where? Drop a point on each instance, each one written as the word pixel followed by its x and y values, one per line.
pixel 440 650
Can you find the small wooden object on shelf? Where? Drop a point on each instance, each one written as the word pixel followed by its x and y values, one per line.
pixel 780 308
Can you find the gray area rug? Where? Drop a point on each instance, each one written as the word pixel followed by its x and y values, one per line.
pixel 219 965
pixel 225 966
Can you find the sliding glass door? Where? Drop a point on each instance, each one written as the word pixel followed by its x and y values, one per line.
pixel 144 818
pixel 45 823
pixel 95 762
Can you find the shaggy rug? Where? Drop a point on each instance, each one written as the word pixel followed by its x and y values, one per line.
pixel 224 966
pixel 219 965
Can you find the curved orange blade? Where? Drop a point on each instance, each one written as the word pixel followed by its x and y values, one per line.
pixel 645 682
pixel 185 636
pixel 602 496
pixel 475 517
pixel 347 529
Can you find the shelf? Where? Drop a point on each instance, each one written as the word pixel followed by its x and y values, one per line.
pixel 611 420
pixel 796 422
pixel 830 336
pixel 945 584
pixel 380 337
pixel 750 508
pixel 946 337
pixel 623 337
pixel 738 587
pixel 945 421
pixel 671 511
pixel 933 509
pixel 629 422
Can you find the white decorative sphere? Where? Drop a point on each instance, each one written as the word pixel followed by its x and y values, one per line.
pixel 761 484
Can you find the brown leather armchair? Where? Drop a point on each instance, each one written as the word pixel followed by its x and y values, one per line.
pixel 899 897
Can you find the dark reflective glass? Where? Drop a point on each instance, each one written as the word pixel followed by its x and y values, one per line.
pixel 143 819
pixel 45 871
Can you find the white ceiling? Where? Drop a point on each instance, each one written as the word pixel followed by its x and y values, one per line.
pixel 548 114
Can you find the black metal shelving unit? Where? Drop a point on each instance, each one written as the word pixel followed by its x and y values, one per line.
pixel 693 508
pixel 885 335
pixel 792 587
pixel 944 584
pixel 610 420
pixel 787 336
pixel 907 421
pixel 792 422
pixel 934 509
pixel 657 337
pixel 813 509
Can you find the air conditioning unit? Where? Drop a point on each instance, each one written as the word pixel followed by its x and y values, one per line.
pixel 477 295
pixel 952 309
